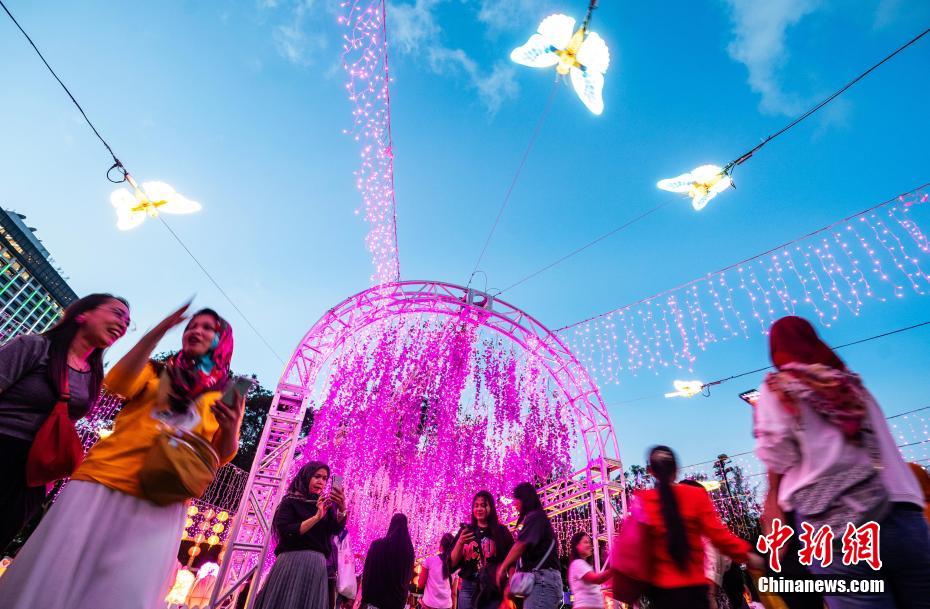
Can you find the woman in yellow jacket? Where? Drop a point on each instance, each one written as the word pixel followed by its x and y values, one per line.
pixel 104 544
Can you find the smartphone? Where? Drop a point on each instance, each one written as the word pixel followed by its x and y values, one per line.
pixel 336 482
pixel 240 385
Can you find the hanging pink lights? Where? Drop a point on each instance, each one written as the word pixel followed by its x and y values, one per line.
pixel 365 60
pixel 420 411
pixel 880 254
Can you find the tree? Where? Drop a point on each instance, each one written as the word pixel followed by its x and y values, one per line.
pixel 257 404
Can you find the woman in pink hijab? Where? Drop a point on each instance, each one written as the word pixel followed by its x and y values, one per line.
pixel 832 461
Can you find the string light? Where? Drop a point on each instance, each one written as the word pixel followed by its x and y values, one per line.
pixel 425 410
pixel 877 255
pixel 365 61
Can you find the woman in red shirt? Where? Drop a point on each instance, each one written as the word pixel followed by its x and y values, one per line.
pixel 679 516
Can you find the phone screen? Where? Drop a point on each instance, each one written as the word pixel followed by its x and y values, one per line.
pixel 337 482
pixel 240 384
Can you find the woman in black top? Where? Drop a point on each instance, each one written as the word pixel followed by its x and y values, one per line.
pixel 304 523
pixel 536 550
pixel 32 368
pixel 389 568
pixel 479 548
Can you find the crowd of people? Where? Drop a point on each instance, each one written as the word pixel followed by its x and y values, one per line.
pixel 111 536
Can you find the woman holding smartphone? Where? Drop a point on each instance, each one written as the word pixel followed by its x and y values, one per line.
pixel 105 542
pixel 305 522
pixel 480 546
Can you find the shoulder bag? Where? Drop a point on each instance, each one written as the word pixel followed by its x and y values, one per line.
pixel 522 582
pixel 56 450
pixel 631 558
pixel 180 465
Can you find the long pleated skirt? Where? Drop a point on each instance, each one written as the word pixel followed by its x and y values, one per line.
pixel 296 581
pixel 96 549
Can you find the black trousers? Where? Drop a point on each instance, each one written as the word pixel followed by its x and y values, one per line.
pixel 689 597
pixel 18 502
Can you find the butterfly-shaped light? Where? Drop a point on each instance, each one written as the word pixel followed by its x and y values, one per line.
pixel 581 54
pixel 685 389
pixel 702 184
pixel 148 200
pixel 710 485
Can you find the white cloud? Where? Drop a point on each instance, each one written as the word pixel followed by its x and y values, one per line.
pixel 411 25
pixel 413 30
pixel 760 28
pixel 511 14
pixel 300 39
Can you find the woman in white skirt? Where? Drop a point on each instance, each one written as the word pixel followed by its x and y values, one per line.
pixel 104 544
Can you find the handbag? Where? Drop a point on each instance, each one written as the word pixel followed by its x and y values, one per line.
pixel 180 465
pixel 631 558
pixel 56 450
pixel 522 582
pixel 346 578
pixel 854 495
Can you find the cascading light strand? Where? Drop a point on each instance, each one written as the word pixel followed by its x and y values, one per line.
pixel 878 255
pixel 365 60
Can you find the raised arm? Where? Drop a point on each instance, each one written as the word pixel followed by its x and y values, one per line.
pixel 122 378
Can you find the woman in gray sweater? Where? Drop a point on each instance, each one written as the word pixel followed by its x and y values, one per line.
pixel 32 371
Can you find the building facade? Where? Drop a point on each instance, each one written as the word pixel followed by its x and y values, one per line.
pixel 33 293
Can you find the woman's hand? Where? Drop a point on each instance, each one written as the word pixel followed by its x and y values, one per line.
pixel 321 506
pixel 466 537
pixel 229 419
pixel 338 498
pixel 173 319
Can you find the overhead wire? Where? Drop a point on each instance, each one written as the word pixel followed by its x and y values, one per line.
pixel 516 176
pixel 591 243
pixel 708 385
pixel 749 259
pixel 126 176
pixel 592 5
pixel 747 155
pixel 749 452
pixel 739 161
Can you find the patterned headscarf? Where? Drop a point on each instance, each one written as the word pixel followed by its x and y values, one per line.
pixel 190 376
pixel 836 395
pixel 811 372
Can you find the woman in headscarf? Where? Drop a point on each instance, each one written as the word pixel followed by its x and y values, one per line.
pixel 304 523
pixel 106 544
pixel 389 568
pixel 831 460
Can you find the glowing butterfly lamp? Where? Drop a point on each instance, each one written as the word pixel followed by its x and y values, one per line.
pixel 701 184
pixel 710 485
pixel 580 54
pixel 686 389
pixel 148 200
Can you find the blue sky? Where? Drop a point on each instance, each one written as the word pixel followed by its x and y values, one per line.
pixel 240 105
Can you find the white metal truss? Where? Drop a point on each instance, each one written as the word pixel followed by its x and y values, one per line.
pixel 251 531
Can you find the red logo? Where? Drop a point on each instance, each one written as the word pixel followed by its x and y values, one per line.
pixel 859 544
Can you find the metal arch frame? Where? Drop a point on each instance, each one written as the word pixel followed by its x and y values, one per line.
pixel 591 486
